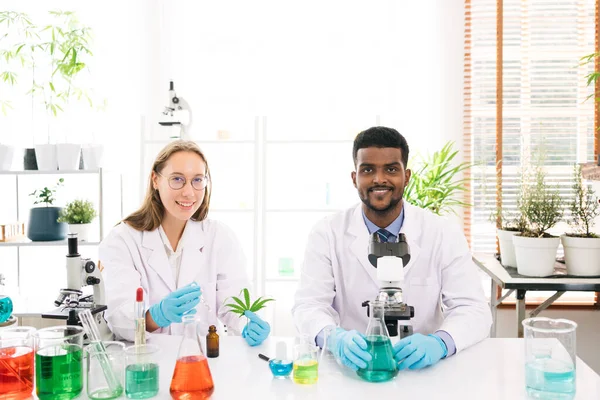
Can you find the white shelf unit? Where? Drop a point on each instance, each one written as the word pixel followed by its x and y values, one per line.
pixel 101 175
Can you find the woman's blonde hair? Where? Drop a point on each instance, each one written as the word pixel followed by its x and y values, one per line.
pixel 150 214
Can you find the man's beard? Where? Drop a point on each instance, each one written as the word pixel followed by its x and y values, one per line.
pixel 382 211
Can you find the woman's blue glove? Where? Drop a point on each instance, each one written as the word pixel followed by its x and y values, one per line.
pixel 349 348
pixel 419 351
pixel 175 305
pixel 257 329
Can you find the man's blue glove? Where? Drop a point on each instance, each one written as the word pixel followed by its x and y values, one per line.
pixel 419 351
pixel 175 305
pixel 257 330
pixel 349 348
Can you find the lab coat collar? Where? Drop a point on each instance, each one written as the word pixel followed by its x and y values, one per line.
pixel 360 245
pixel 192 243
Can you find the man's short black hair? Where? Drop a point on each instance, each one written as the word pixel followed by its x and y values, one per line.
pixel 380 136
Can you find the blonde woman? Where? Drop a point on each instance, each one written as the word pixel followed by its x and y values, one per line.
pixel 170 249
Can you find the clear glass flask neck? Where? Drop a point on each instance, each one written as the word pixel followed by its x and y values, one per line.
pixel 376 325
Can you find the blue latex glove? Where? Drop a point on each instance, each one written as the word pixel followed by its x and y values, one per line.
pixel 349 348
pixel 175 305
pixel 257 330
pixel 419 351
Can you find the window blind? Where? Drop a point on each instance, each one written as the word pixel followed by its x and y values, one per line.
pixel 543 99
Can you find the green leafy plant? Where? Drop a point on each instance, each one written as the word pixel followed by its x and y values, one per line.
pixel 584 207
pixel 540 205
pixel 78 212
pixel 434 184
pixel 240 306
pixel 592 77
pixel 46 195
pixel 54 54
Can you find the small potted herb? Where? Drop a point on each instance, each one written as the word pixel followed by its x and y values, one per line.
pixel 582 246
pixel 79 215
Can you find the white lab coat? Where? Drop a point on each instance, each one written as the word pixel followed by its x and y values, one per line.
pixel 211 256
pixel 441 280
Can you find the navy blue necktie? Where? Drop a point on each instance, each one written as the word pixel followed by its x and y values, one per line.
pixel 385 236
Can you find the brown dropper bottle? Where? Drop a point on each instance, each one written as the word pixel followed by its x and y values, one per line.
pixel 212 342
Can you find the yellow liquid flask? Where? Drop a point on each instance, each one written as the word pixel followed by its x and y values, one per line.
pixel 306 365
pixel 192 378
pixel 382 366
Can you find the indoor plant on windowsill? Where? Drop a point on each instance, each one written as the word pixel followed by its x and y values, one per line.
pixel 79 215
pixel 511 223
pixel 43 224
pixel 582 247
pixel 541 207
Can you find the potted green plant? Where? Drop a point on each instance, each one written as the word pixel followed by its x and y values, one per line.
pixel 43 222
pixel 434 184
pixel 511 223
pixel 582 246
pixel 79 214
pixel 55 55
pixel 15 26
pixel 540 205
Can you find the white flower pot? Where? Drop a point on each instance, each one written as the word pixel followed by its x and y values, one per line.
pixel 93 156
pixel 535 256
pixel 68 156
pixel 82 231
pixel 582 255
pixel 507 249
pixel 45 154
pixel 7 154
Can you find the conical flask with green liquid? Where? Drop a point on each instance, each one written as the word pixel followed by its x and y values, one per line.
pixel 382 366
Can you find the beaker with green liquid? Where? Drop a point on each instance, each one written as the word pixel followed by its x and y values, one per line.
pixel 141 371
pixel 59 362
pixel 382 366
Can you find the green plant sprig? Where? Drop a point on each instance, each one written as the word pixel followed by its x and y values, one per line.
pixel 240 307
pixel 46 195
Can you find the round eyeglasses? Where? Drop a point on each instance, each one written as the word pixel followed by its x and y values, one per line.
pixel 177 182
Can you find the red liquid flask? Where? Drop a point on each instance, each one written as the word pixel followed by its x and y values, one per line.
pixel 16 373
pixel 192 378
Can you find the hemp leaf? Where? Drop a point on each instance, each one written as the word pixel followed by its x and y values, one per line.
pixel 240 306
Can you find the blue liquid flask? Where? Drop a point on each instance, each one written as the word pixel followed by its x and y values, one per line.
pixel 6 308
pixel 281 366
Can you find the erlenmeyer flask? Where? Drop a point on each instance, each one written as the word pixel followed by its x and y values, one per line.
pixel 192 378
pixel 382 366
pixel 328 364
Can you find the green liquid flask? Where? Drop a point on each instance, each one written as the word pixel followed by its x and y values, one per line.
pixel 382 366
pixel 59 362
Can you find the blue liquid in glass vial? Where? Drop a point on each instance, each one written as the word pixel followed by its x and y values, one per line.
pixel 6 308
pixel 281 368
pixel 547 378
pixel 141 381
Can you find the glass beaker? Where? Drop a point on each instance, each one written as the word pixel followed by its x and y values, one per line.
pixel 96 358
pixel 550 355
pixel 192 377
pixel 382 366
pixel 59 362
pixel 306 364
pixel 16 362
pixel 141 371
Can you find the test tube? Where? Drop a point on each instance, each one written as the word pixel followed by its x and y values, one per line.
pixel 87 320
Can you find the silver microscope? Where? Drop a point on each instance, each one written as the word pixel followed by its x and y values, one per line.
pixel 70 301
pixel 174 113
pixel 390 258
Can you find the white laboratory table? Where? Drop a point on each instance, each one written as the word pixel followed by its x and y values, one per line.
pixel 492 369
